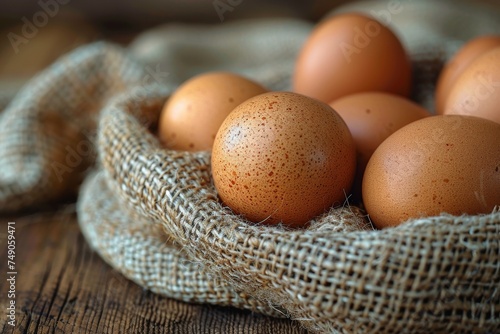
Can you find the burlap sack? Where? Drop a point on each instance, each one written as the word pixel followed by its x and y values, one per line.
pixel 154 215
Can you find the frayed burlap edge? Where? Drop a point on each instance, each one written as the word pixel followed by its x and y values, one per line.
pixel 144 254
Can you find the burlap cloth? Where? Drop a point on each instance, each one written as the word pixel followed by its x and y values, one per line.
pixel 154 214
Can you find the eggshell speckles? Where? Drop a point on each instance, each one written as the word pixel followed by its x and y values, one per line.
pixel 351 53
pixel 193 114
pixel 446 163
pixel 283 157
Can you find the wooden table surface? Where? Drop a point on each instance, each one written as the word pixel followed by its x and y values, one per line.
pixel 62 286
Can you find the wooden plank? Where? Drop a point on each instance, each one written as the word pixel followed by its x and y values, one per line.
pixel 64 287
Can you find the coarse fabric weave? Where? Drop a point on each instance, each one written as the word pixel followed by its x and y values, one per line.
pixel 154 214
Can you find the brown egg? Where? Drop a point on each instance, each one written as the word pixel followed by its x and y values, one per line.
pixel 445 163
pixel 462 59
pixel 283 157
pixel 372 117
pixel 477 90
pixel 351 53
pixel 193 114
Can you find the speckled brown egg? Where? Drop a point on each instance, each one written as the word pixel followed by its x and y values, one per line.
pixel 445 163
pixel 348 54
pixel 460 61
pixel 193 114
pixel 477 90
pixel 283 157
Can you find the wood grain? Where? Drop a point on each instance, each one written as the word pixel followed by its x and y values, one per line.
pixel 64 287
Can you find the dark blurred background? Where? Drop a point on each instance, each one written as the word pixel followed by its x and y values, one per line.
pixel 33 33
pixel 133 14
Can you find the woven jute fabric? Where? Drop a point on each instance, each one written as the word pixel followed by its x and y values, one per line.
pixel 438 274
pixel 46 131
pixel 154 214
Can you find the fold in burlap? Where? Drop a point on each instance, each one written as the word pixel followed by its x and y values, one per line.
pixel 144 254
pixel 154 215
pixel 46 131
